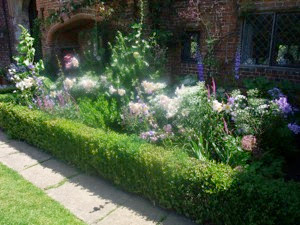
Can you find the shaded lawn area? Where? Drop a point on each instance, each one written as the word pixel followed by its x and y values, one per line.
pixel 23 203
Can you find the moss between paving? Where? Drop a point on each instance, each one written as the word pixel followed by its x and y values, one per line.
pixel 23 203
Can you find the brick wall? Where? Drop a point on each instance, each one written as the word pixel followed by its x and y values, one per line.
pixel 52 32
pixel 227 30
pixel 225 24
pixel 4 36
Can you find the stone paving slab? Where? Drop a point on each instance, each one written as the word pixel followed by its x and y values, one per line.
pixel 88 205
pixel 90 198
pixel 6 150
pixel 48 173
pixel 135 211
pixel 20 161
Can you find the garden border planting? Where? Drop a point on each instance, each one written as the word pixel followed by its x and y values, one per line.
pixel 206 192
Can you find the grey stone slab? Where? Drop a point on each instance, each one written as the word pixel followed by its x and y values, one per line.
pixel 22 161
pixel 88 198
pixel 174 219
pixel 29 150
pixel 47 174
pixel 18 162
pixel 6 150
pixel 135 211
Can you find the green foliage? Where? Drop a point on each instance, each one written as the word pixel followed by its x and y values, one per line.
pixel 25 74
pixel 7 89
pixel 263 84
pixel 101 113
pixel 207 192
pixel 94 54
pixel 261 117
pixel 37 36
pixel 9 97
pixel 2 72
pixel 27 52
pixel 132 60
pixel 210 60
pixel 70 6
pixel 206 127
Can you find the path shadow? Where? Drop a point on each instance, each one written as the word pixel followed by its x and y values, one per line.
pixel 100 187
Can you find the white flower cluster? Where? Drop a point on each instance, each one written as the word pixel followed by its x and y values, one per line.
pixel 151 87
pixel 120 91
pixel 170 105
pixel 88 84
pixel 27 83
pixel 219 107
pixel 138 109
pixel 184 91
pixel 69 83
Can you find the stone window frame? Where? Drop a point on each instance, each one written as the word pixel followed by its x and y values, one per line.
pixel 186 46
pixel 270 63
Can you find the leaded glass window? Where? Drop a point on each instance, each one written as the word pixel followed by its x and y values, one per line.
pixel 271 39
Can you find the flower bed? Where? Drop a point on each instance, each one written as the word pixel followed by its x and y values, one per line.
pixel 204 191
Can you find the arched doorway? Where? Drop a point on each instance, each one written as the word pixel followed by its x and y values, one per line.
pixel 82 35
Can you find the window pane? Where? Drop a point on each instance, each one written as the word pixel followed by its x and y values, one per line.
pixel 190 44
pixel 287 41
pixel 257 39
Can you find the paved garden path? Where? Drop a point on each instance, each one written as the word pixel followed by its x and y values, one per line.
pixel 91 199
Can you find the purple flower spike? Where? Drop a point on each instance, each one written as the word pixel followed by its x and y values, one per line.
pixel 294 128
pixel 284 106
pixel 237 64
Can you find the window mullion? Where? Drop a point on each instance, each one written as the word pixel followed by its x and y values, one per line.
pixel 272 39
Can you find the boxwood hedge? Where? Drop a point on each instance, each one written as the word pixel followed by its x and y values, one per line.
pixel 206 192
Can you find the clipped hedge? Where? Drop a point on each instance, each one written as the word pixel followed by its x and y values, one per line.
pixel 205 192
pixel 8 89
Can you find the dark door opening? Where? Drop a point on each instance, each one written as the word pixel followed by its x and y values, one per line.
pixel 34 28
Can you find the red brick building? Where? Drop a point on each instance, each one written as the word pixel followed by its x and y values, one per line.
pixel 264 33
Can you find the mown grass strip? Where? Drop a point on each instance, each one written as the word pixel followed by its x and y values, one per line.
pixel 23 203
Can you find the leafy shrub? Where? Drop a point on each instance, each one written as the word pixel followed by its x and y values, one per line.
pixel 7 89
pixel 188 120
pixel 264 85
pixel 10 97
pixel 101 113
pixel 207 192
pixel 264 118
pixel 132 60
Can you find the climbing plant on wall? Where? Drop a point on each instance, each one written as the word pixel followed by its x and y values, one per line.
pixel 211 20
pixel 101 8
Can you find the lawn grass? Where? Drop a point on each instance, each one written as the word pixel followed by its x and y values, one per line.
pixel 23 203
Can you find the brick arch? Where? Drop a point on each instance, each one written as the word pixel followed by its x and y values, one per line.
pixel 69 22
